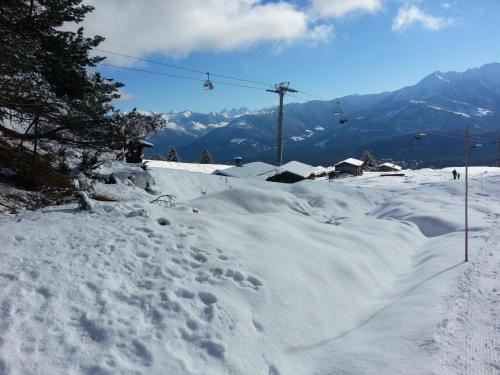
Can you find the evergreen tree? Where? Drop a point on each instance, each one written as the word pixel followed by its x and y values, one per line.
pixel 46 92
pixel 369 161
pixel 130 129
pixel 206 158
pixel 172 155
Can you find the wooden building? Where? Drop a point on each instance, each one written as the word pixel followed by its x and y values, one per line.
pixel 294 171
pixel 351 166
pixel 389 167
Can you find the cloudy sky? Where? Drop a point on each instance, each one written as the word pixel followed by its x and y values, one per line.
pixel 328 48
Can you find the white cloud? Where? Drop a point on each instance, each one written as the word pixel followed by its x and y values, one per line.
pixel 411 15
pixel 340 8
pixel 180 27
pixel 125 97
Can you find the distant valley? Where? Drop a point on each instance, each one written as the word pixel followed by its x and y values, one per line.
pixel 440 105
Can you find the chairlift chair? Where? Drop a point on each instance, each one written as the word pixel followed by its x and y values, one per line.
pixel 343 121
pixel 338 110
pixel 208 85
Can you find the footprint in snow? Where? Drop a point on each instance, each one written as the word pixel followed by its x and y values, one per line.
pixel 93 329
pixel 199 257
pixel 257 326
pixel 44 292
pixel 162 221
pixel 207 298
pixel 184 293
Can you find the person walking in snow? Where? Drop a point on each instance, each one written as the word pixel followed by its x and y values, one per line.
pixel 458 175
pixel 454 174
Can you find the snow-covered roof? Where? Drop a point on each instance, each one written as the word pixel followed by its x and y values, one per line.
pixel 146 144
pixel 190 167
pixel 352 161
pixel 390 165
pixel 254 169
pixel 298 168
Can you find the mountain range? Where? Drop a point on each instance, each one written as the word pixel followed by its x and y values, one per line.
pixel 440 105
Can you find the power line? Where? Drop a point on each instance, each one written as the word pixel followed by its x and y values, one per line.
pixel 180 76
pixel 187 69
pixel 312 95
pixel 182 67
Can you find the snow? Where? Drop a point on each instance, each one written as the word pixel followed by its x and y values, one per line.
pixel 352 161
pixel 146 144
pixel 221 124
pixel 483 111
pixel 322 144
pixel 440 77
pixel 174 126
pixel 198 125
pixel 238 141
pixel 358 276
pixel 391 165
pixel 299 138
pixel 190 167
pixel 254 169
pixel 449 111
pixel 298 168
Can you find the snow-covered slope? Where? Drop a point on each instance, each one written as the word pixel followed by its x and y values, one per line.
pixel 441 102
pixel 251 277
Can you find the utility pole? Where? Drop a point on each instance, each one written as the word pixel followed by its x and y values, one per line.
pixel 281 89
pixel 467 193
pixel 498 152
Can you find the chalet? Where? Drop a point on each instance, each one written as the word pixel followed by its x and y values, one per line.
pixel 351 166
pixel 295 171
pixel 389 167
pixel 134 151
pixel 256 169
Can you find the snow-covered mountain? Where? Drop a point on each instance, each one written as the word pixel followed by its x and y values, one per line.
pixel 185 127
pixel 439 102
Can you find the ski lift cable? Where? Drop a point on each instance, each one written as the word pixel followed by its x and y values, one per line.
pixel 298 97
pixel 180 76
pixel 182 67
pixel 430 132
pixel 194 71
pixel 203 72
pixel 313 96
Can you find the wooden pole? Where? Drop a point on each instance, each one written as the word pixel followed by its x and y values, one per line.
pixel 467 193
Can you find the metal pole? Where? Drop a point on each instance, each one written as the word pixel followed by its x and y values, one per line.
pixel 281 89
pixel 466 193
pixel 279 155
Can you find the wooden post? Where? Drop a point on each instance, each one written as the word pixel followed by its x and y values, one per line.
pixel 467 147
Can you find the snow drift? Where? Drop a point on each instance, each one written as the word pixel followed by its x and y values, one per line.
pixel 262 278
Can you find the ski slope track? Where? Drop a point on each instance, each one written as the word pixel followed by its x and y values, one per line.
pixel 358 276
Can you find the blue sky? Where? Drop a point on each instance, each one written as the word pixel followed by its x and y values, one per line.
pixel 329 48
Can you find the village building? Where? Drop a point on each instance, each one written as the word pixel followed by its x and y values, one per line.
pixel 389 167
pixel 295 171
pixel 351 166
pixel 134 152
pixel 256 169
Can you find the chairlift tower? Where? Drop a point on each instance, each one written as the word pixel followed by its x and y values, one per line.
pixel 498 152
pixel 281 89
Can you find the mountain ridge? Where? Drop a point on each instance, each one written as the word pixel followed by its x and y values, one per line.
pixel 439 102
